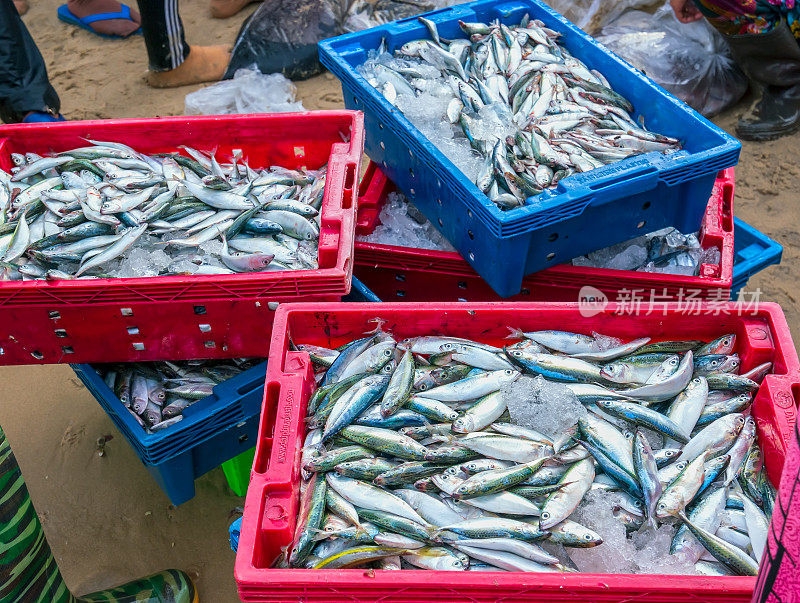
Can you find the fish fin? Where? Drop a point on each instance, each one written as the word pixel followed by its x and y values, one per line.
pixel 515 333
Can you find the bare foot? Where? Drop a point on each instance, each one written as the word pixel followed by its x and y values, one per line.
pixel 222 9
pixel 110 27
pixel 203 64
pixel 22 6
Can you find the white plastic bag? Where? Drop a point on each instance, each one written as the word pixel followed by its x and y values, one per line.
pixel 690 60
pixel 593 15
pixel 250 91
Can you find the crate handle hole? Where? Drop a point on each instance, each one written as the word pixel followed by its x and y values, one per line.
pixel 54 314
pixel 126 311
pixel 641 224
pixel 349 176
pixel 67 349
pixel 550 256
pixel 199 310
pixel 400 277
pixel 133 330
pixel 243 438
pixel 204 328
pixel 60 332
pixel 138 346
pixel 37 354
pixel 210 344
pixel 646 205
pixel 553 237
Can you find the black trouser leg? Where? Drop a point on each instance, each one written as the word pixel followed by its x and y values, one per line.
pixel 24 86
pixel 163 34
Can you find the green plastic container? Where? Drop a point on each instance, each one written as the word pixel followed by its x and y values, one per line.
pixel 237 471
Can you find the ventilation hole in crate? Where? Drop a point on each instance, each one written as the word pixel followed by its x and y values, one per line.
pixel 356 101
pixel 67 349
pixel 2 351
pixel 646 205
pixel 553 237
pixel 54 314
pixel 37 354
pixel 411 172
pixel 400 277
pixel 641 224
pixel 550 256
pixel 243 438
pixel 204 328
pixel 413 192
pixel 133 330
pixel 471 235
pixel 210 344
pixel 400 293
pixel 469 213
pixel 380 126
pixel 471 256
pixel 299 151
pixel 440 222
pixel 410 154
pixel 439 201
pixel 272 306
pixel 60 332
pixel 381 145
pixel 462 299
pixel 349 177
pixel 462 284
pixel 383 163
pixel 138 346
pixel 439 184
pixel 525 291
pixel 199 310
pixel 126 311
pixel 224 347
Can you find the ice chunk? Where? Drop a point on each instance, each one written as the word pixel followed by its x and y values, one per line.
pixel 546 406
pixel 645 552
pixel 605 342
pixel 711 255
pixel 403 225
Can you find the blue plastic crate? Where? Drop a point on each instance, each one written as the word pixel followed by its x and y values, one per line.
pixel 586 211
pixel 752 252
pixel 360 293
pixel 213 430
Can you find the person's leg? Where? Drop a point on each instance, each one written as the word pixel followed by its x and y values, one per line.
pixel 24 86
pixel 762 36
pixel 121 27
pixel 222 9
pixel 172 61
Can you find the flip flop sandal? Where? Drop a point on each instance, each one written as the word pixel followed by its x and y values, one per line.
pixel 66 15
pixel 39 117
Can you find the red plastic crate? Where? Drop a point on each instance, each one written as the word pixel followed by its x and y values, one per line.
pixel 89 321
pixel 405 274
pixel 272 500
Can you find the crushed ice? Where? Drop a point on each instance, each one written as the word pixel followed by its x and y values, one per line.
pixel 546 406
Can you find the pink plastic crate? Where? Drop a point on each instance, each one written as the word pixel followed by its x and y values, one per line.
pixel 132 319
pixel 405 274
pixel 272 499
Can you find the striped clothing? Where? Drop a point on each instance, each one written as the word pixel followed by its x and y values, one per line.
pixel 163 34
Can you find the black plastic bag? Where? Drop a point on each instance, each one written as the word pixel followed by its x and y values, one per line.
pixel 282 35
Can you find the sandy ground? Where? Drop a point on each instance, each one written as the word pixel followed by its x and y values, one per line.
pixel 105 518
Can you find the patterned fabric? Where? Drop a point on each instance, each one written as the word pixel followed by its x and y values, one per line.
pixel 28 570
pixel 750 16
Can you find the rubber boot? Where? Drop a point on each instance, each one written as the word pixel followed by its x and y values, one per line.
pixel 28 570
pixel 772 61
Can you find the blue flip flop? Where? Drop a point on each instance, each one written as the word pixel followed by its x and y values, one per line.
pixel 66 15
pixel 40 117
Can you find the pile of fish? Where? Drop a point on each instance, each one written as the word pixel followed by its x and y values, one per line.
pixel 71 215
pixel 531 110
pixel 157 393
pixel 413 461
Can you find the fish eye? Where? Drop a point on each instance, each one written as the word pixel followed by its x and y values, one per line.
pixel 423 387
pixel 662 506
pixel 587 536
pixel 509 372
pixel 516 353
pixel 714 362
pixel 545 515
pixel 696 380
pixel 674 361
pixel 726 341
